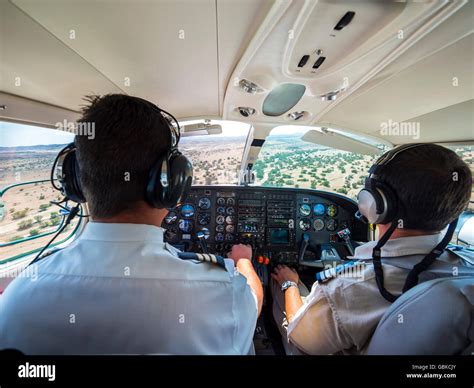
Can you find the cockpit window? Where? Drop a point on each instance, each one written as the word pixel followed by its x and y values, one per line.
pixel 216 158
pixel 28 218
pixel 287 161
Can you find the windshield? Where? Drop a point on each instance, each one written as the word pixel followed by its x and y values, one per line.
pixel 287 161
pixel 216 158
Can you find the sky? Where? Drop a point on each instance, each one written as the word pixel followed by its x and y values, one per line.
pixel 14 135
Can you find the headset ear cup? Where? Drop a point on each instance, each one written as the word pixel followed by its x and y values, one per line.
pixel 390 202
pixel 155 191
pixel 181 173
pixel 70 178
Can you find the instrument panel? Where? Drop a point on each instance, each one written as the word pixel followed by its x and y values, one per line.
pixel 275 221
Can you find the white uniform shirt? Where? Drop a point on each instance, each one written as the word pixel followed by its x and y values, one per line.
pixel 340 315
pixel 119 289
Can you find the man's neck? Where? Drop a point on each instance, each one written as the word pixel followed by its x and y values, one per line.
pixel 141 214
pixel 398 233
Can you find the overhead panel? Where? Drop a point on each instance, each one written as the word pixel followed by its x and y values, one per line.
pixel 37 66
pixel 165 51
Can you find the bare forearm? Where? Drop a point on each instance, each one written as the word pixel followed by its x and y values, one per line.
pixel 293 302
pixel 245 267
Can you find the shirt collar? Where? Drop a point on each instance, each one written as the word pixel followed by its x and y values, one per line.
pixel 102 231
pixel 403 246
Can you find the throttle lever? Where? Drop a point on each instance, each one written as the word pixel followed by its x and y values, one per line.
pixel 303 247
pixel 202 241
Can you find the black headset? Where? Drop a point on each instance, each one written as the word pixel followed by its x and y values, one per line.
pixel 379 204
pixel 169 178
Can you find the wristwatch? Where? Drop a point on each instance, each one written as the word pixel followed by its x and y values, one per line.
pixel 287 284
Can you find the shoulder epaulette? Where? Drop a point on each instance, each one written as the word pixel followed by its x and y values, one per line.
pixel 333 272
pixel 204 257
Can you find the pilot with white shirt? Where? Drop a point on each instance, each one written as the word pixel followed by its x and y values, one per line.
pixel 119 288
pixel 414 194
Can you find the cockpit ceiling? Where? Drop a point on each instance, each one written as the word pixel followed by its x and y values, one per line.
pixel 189 56
pixel 179 54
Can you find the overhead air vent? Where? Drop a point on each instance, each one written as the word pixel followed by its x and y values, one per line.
pixel 303 60
pixel 345 20
pixel 246 111
pixel 282 99
pixel 319 62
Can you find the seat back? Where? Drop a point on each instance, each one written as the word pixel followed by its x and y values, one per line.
pixel 434 318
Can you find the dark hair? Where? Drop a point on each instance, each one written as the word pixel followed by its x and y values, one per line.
pixel 130 136
pixel 432 183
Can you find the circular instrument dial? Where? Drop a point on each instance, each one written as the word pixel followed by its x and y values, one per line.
pixel 221 210
pixel 187 210
pixel 305 209
pixel 230 211
pixel 318 224
pixel 220 220
pixel 229 219
pixel 230 201
pixel 230 228
pixel 204 203
pixel 186 226
pixel 220 201
pixel 204 218
pixel 331 224
pixel 331 211
pixel 319 209
pixel 220 228
pixel 229 237
pixel 219 237
pixel 171 218
pixel 305 224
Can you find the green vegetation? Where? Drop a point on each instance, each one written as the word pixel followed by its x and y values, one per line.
pixel 20 214
pixel 55 218
pixel 34 232
pixel 44 206
pixel 25 224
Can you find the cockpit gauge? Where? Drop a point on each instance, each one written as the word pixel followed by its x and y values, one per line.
pixel 221 210
pixel 220 228
pixel 319 209
pixel 230 201
pixel 318 224
pixel 331 224
pixel 204 218
pixel 229 219
pixel 230 210
pixel 305 209
pixel 171 218
pixel 230 228
pixel 221 201
pixel 219 237
pixel 220 220
pixel 187 210
pixel 305 224
pixel 186 226
pixel 331 211
pixel 229 237
pixel 204 203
